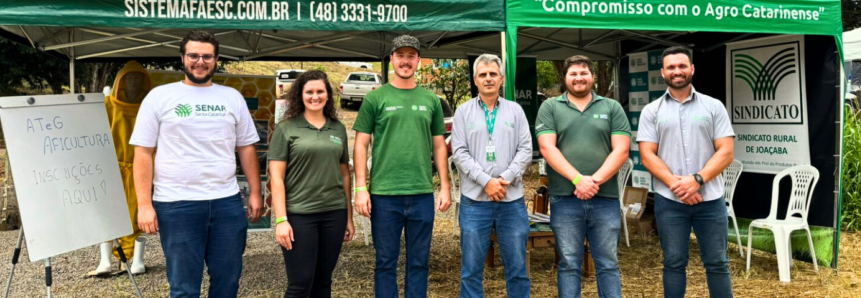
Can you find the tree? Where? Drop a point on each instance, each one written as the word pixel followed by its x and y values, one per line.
pixel 851 14
pixel 548 82
pixel 22 66
pixel 603 77
pixel 451 81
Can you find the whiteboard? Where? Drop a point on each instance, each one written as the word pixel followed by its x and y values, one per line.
pixel 65 170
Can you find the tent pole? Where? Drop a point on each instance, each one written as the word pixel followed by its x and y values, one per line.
pixel 662 41
pixel 617 68
pixel 504 57
pixel 72 43
pixel 72 62
pixel 384 68
pixel 562 44
pixel 27 35
pixel 835 245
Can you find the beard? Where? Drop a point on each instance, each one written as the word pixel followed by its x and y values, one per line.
pixel 578 94
pixel 680 85
pixel 190 75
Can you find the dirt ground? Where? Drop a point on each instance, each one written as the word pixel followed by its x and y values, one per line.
pixel 264 274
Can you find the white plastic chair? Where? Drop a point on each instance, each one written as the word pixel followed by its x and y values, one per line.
pixel 804 178
pixel 730 176
pixel 455 193
pixel 622 178
pixel 364 221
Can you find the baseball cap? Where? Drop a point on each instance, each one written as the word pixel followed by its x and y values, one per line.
pixel 406 41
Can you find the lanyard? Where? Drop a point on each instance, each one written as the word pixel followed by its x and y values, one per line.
pixel 490 118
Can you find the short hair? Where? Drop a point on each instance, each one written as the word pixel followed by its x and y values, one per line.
pixel 199 36
pixel 677 50
pixel 579 60
pixel 487 59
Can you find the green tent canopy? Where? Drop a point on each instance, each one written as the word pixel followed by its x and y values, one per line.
pixel 253 30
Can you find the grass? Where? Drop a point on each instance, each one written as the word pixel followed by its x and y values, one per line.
pixel 823 239
pixel 851 206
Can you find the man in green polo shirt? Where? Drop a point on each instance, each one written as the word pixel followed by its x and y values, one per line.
pixel 407 125
pixel 585 139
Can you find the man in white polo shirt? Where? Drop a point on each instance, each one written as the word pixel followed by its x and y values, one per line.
pixel 189 195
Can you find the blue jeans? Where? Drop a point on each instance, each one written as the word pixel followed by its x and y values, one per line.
pixel 709 221
pixel 511 223
pixel 572 220
pixel 194 232
pixel 390 216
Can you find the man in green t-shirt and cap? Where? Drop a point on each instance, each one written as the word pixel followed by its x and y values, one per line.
pixel 406 122
pixel 585 139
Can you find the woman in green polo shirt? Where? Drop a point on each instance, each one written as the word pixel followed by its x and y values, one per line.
pixel 310 180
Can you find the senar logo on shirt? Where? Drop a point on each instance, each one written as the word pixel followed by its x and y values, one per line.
pixel 335 140
pixel 394 108
pixel 599 116
pixel 210 110
pixel 183 110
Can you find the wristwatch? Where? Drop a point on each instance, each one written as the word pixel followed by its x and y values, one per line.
pixel 699 179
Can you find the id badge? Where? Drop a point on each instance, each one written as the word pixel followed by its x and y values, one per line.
pixel 491 153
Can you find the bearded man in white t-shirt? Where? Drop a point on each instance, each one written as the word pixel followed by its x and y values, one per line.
pixel 189 194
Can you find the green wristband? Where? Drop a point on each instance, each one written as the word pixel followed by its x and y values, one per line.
pixel 358 189
pixel 280 220
pixel 577 179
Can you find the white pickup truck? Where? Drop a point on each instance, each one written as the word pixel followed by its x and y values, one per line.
pixel 285 79
pixel 357 85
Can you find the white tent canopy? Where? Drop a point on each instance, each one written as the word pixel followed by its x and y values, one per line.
pixel 852 45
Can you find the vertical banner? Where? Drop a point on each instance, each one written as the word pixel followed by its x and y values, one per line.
pixel 767 103
pixel 526 94
pixel 645 86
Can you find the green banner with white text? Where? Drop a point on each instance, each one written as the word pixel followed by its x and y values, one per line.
pixel 366 15
pixel 761 16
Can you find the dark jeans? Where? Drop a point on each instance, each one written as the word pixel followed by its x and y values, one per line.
pixel 477 222
pixel 572 220
pixel 709 221
pixel 390 216
pixel 315 252
pixel 196 232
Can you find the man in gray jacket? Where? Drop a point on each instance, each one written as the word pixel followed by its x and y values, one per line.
pixel 492 147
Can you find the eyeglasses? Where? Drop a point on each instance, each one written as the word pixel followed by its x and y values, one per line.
pixel 196 57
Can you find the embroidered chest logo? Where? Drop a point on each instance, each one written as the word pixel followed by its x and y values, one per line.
pixel 600 116
pixel 394 108
pixel 335 140
pixel 701 118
